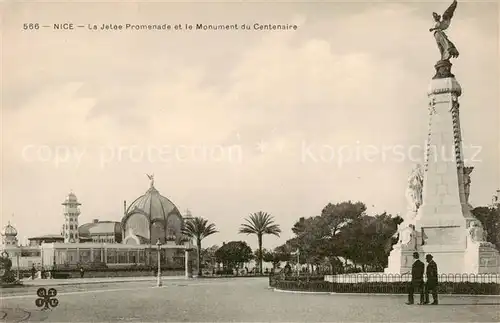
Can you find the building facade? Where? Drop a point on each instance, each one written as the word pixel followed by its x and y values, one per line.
pixel 131 242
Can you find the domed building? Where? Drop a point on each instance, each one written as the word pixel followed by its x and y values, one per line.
pixel 9 235
pixel 130 243
pixel 151 217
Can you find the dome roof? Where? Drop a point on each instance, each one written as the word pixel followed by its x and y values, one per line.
pixel 153 205
pixel 71 198
pixel 151 217
pixel 9 230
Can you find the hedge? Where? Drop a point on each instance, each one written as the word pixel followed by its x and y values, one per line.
pixel 467 288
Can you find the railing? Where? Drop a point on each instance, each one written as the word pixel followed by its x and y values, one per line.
pixel 381 277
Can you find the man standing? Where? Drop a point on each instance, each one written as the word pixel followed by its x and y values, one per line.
pixel 417 279
pixel 432 280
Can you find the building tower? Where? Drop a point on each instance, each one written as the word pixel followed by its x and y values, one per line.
pixel 71 213
pixel 187 216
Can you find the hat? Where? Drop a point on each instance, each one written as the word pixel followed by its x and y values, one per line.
pixel 429 256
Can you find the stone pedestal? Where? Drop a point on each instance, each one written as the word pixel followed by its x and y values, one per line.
pixel 481 258
pixel 443 217
pixel 401 257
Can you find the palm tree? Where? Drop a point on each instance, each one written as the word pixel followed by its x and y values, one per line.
pixel 198 228
pixel 260 223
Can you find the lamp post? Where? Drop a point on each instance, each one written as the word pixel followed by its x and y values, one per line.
pixel 158 281
pixel 187 260
pixel 17 258
pixel 298 262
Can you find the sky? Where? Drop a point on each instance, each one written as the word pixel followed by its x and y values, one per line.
pixel 232 122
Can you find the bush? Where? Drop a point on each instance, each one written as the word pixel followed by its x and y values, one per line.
pixel 305 278
pixel 315 285
pixel 59 275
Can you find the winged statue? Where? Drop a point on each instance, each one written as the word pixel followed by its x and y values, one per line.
pixel 446 47
pixel 152 179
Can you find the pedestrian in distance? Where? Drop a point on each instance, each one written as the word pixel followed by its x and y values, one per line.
pixel 417 280
pixel 432 280
pixel 288 269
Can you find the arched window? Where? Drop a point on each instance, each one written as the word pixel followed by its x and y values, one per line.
pixel 71 235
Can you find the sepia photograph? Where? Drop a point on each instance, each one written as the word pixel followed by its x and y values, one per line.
pixel 250 161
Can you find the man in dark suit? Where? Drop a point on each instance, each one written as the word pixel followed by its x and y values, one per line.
pixel 417 279
pixel 432 280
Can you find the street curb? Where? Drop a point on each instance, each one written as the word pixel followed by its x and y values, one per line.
pixel 369 294
pixel 299 292
pixel 101 282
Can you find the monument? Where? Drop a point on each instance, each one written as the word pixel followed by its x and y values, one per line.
pixel 439 219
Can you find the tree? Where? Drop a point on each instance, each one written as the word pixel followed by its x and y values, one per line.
pixel 208 256
pixel 344 230
pixel 490 219
pixel 198 228
pixel 233 253
pixel 267 255
pixel 333 225
pixel 260 223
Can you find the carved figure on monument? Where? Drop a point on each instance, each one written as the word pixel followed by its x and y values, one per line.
pixel 467 181
pixel 414 200
pixel 445 46
pixel 414 189
pixel 494 200
pixel 409 237
pixel 476 232
pixel 476 235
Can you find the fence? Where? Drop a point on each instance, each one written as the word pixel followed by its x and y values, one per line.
pixel 381 277
pixel 480 284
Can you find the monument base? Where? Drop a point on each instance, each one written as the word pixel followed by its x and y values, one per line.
pixel 481 258
pixel 449 258
pixel 400 261
pixel 477 258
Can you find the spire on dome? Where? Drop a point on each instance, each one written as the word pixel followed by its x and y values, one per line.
pixel 152 179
